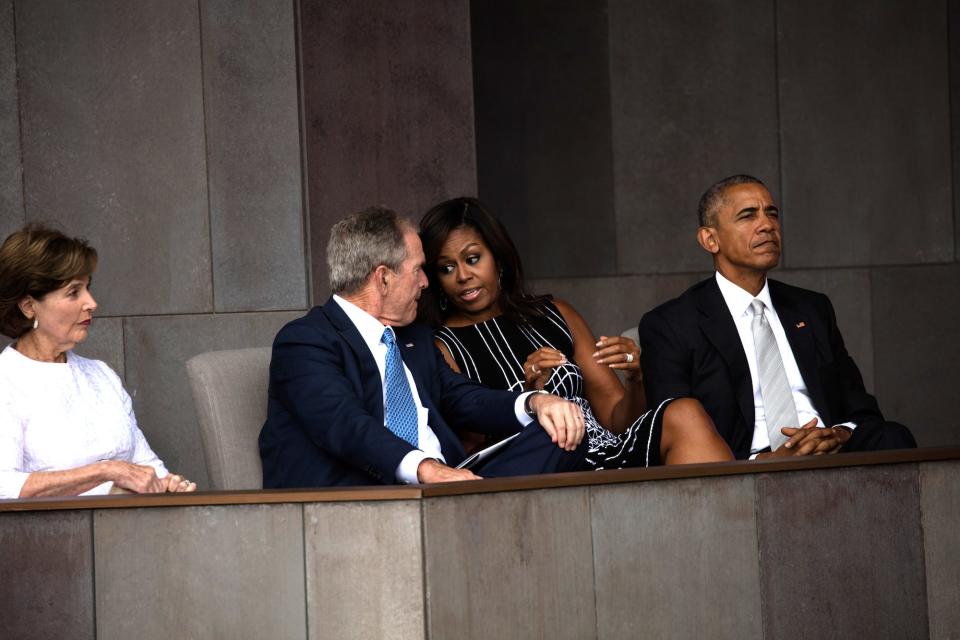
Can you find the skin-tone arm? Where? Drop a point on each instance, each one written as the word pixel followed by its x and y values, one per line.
pixel 561 419
pixel 71 482
pixel 614 407
pixel 446 355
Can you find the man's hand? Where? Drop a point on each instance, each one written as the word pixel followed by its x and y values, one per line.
pixel 809 440
pixel 561 419
pixel 431 470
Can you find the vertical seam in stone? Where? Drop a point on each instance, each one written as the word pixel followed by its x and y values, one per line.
pixel 612 165
pixel 305 236
pixel 468 35
pixel 123 349
pixel 951 99
pixel 923 542
pixel 614 184
pixel 306 590
pixel 16 84
pixel 93 568
pixel 593 561
pixel 206 162
pixel 423 568
pixel 776 85
pixel 873 332
pixel 755 480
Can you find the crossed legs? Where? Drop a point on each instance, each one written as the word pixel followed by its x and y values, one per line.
pixel 688 435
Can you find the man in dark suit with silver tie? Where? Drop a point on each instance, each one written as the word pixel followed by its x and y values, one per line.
pixel 358 395
pixel 765 359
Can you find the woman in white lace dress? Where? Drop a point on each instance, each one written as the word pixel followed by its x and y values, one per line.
pixel 66 424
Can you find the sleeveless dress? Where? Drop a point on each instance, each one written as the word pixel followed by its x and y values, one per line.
pixel 492 352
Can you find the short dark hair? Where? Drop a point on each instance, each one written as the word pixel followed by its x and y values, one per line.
pixel 436 226
pixel 363 241
pixel 712 198
pixel 33 262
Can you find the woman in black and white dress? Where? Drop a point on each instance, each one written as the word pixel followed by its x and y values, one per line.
pixel 493 332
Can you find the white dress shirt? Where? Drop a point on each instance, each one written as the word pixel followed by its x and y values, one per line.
pixel 738 301
pixel 371 330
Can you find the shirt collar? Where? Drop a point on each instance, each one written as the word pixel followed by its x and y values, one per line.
pixel 371 329
pixel 738 300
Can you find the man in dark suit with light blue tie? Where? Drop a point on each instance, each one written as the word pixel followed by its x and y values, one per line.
pixel 765 359
pixel 359 396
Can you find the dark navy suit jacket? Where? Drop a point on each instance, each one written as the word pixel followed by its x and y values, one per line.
pixel 324 422
pixel 690 348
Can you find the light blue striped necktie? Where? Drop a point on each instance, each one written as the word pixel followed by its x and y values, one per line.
pixel 400 410
pixel 778 406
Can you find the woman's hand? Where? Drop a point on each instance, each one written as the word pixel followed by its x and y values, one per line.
pixel 539 365
pixel 620 353
pixel 178 484
pixel 139 478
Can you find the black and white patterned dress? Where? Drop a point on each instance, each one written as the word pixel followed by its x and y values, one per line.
pixel 493 352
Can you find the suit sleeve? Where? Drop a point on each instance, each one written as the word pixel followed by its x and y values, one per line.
pixel 843 376
pixel 309 377
pixel 466 404
pixel 665 360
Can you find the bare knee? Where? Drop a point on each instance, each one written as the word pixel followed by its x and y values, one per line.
pixel 686 413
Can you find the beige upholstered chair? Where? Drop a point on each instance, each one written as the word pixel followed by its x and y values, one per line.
pixel 230 394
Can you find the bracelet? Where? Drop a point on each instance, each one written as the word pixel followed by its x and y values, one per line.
pixel 526 403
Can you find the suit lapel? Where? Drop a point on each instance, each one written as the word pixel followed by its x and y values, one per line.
pixel 411 358
pixel 372 393
pixel 719 328
pixel 797 325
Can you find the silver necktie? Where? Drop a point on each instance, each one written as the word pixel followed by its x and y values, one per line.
pixel 778 407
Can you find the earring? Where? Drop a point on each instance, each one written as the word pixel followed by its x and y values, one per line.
pixel 499 280
pixel 443 302
pixel 36 322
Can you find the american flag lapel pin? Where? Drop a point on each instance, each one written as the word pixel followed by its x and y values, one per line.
pixel 801 324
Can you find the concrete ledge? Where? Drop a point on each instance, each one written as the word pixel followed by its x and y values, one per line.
pixel 825 547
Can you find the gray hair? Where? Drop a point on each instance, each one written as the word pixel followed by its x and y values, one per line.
pixel 363 241
pixel 712 199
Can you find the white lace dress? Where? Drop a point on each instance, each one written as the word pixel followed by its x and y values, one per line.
pixel 56 416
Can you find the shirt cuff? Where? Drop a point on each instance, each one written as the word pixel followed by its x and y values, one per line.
pixel 851 425
pixel 518 407
pixel 11 483
pixel 407 469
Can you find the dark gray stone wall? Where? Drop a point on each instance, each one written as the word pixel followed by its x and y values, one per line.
pixel 11 180
pixel 387 110
pixel 542 95
pixel 168 134
pixel 845 109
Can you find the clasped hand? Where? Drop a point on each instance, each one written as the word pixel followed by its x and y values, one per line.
pixel 809 440
pixel 141 478
pixel 539 367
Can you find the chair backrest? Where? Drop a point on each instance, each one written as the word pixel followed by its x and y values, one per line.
pixel 230 394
